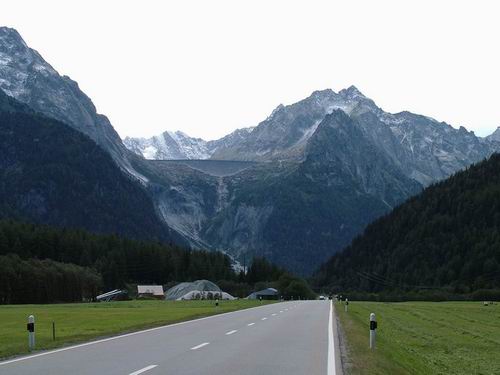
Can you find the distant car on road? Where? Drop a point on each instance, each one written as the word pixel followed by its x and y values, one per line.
pixel 322 298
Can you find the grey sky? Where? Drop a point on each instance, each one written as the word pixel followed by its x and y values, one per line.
pixel 208 67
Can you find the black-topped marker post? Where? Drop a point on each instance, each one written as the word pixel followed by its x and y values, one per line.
pixel 373 330
pixel 31 332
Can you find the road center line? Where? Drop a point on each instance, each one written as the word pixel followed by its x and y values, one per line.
pixel 143 370
pixel 119 337
pixel 231 332
pixel 200 346
pixel 250 324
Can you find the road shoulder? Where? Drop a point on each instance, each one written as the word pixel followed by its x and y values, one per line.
pixel 341 353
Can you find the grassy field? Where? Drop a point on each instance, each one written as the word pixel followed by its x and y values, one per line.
pixel 423 338
pixel 80 322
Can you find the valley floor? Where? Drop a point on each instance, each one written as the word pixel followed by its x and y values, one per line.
pixel 79 322
pixel 423 338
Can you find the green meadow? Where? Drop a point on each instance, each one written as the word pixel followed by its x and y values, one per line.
pixel 423 338
pixel 79 322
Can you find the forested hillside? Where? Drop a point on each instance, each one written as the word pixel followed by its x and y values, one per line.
pixel 53 174
pixel 447 238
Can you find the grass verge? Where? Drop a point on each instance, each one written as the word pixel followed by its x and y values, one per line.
pixel 423 338
pixel 79 322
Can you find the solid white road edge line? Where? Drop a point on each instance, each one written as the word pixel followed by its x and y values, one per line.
pixel 125 335
pixel 143 370
pixel 231 332
pixel 200 346
pixel 331 344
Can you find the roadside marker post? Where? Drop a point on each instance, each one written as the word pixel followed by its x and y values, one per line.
pixel 53 331
pixel 346 304
pixel 217 303
pixel 31 332
pixel 373 330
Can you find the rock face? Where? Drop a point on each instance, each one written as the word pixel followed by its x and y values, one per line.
pixel 27 77
pixel 296 188
pixel 169 146
pixel 179 146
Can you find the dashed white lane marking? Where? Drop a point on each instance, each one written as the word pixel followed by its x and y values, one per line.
pixel 4 363
pixel 200 346
pixel 274 314
pixel 281 311
pixel 143 370
pixel 231 332
pixel 250 324
pixel 264 319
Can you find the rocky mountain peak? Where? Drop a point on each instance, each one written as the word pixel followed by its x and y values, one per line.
pixel 28 78
pixel 351 92
pixel 10 36
pixel 18 63
pixel 495 136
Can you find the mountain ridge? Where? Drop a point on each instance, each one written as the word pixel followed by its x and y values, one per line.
pixel 283 135
pixel 304 182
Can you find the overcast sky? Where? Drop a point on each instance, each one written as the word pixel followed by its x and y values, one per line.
pixel 209 67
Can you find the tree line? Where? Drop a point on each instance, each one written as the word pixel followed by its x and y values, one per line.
pixel 45 281
pixel 90 263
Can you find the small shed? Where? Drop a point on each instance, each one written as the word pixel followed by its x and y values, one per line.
pixel 155 291
pixel 114 295
pixel 268 293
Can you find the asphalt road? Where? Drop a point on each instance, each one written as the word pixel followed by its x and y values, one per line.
pixel 283 338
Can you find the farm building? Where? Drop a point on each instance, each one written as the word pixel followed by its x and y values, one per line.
pixel 200 289
pixel 155 291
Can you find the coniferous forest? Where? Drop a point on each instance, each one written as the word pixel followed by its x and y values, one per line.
pixel 40 264
pixel 445 241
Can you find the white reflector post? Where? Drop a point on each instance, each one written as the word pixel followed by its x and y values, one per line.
pixel 31 332
pixel 373 330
